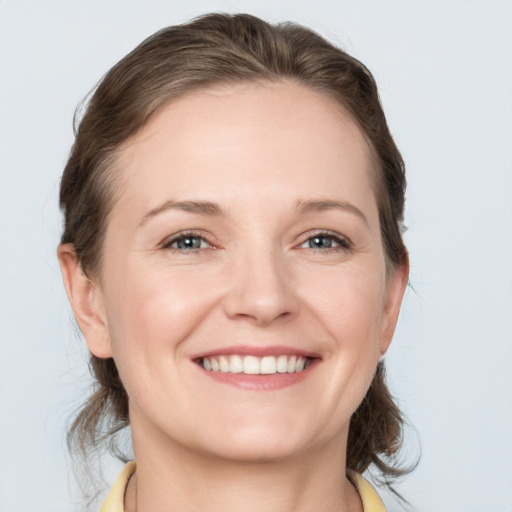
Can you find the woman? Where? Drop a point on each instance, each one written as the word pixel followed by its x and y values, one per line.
pixel 232 252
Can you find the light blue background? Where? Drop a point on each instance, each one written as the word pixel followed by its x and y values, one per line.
pixel 445 75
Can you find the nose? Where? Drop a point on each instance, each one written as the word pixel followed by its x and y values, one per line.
pixel 261 289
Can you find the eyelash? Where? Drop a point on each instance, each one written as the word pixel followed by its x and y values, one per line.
pixel 342 243
pixel 167 244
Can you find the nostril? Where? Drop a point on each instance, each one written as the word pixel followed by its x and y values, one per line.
pixel 261 290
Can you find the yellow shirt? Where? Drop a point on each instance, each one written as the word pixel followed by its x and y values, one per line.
pixel 114 501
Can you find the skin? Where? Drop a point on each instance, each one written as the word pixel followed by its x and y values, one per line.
pixel 257 279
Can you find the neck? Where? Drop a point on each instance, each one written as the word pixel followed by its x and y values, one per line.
pixel 180 479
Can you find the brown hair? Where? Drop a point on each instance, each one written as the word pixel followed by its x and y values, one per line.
pixel 220 49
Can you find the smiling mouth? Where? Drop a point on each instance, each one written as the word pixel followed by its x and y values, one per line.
pixel 253 365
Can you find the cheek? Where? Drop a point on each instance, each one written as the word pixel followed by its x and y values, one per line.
pixel 349 303
pixel 157 307
pixel 150 315
pixel 349 308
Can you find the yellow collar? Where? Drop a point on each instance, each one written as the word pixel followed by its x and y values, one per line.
pixel 368 495
pixel 115 499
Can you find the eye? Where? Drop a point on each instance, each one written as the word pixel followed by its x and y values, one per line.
pixel 325 241
pixel 186 242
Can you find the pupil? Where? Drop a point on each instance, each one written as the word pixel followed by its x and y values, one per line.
pixel 189 243
pixel 322 241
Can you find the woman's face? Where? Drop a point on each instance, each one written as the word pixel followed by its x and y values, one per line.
pixel 245 246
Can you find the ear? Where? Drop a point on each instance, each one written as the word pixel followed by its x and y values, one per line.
pixel 395 288
pixel 87 302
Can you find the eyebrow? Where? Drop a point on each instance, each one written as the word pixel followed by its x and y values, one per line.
pixel 305 207
pixel 208 208
pixel 199 207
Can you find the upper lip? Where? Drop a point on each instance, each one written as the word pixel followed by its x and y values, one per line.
pixel 258 351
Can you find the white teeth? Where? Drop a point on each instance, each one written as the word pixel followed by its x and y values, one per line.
pixel 268 365
pixel 282 364
pixel 236 364
pixel 224 365
pixel 252 365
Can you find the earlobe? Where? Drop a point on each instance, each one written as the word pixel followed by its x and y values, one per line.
pixel 87 302
pixel 396 285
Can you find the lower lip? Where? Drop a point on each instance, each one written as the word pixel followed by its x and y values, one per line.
pixel 270 382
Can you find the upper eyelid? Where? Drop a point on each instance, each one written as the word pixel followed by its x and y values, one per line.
pixel 327 233
pixel 169 240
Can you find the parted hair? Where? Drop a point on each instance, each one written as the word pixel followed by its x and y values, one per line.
pixel 212 50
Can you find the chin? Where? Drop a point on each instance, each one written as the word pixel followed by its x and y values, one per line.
pixel 259 451
pixel 259 440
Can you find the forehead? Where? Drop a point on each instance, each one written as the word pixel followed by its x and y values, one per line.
pixel 272 138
